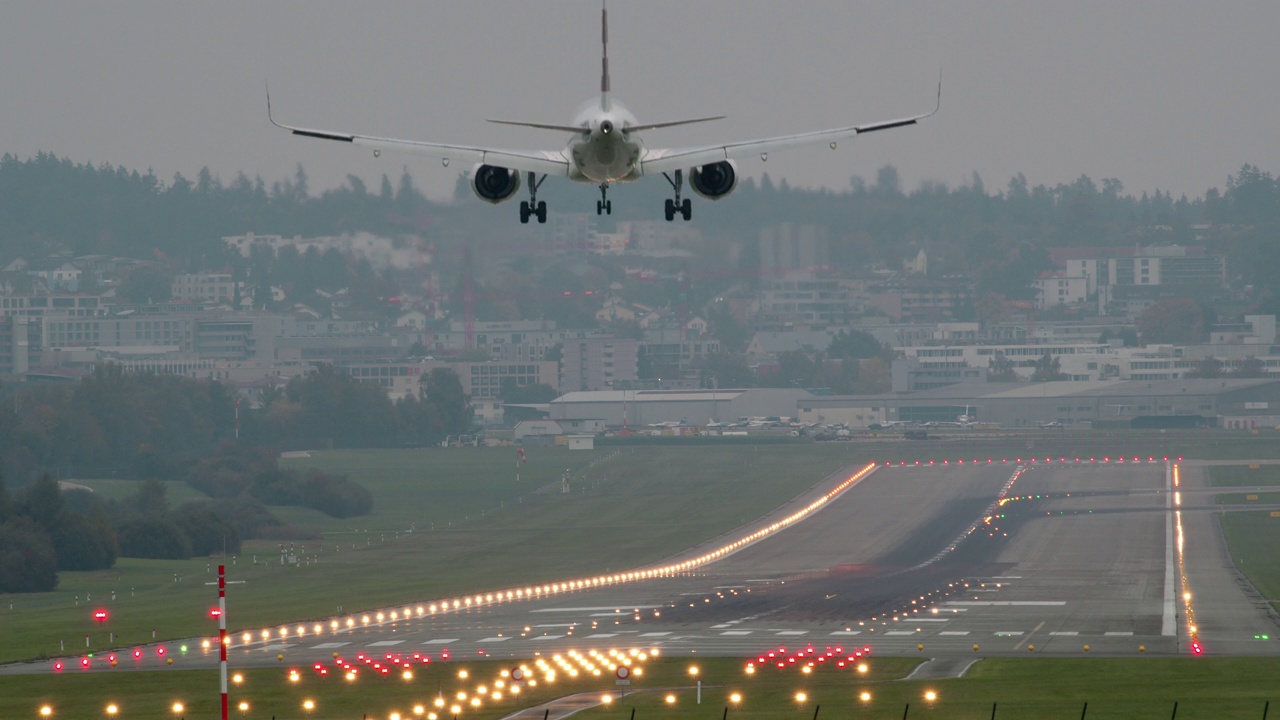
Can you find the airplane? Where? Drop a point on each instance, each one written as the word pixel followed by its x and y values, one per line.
pixel 604 148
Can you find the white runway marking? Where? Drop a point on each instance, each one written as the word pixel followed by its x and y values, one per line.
pixel 901 632
pixel 736 632
pixel 385 643
pixel 792 632
pixel 547 625
pixel 847 632
pixel 276 648
pixel 1004 603
pixel 493 639
pixel 1169 620
pixel 1009 633
pixel 610 608
pixel 954 632
pixel 655 634
pixel 1064 632
pixel 1118 633
pixel 603 635
pixel 721 626
pixel 932 620
pixel 546 637
pixel 328 646
pixel 440 641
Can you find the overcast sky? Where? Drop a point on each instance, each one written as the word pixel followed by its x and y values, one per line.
pixel 1168 94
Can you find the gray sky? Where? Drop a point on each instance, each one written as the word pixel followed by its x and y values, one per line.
pixel 1169 94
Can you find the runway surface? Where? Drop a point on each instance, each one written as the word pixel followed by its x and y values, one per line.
pixel 1048 559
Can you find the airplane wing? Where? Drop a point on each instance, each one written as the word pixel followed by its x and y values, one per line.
pixel 665 160
pixel 548 162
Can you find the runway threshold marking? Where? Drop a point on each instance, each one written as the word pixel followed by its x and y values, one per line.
pixel 737 632
pixel 954 632
pixel 1064 632
pixel 546 637
pixel 329 645
pixel 603 635
pixel 847 632
pixel 1119 633
pixel 385 643
pixel 440 641
pixel 792 632
pixel 611 608
pixel 655 634
pixel 901 632
pixel 493 639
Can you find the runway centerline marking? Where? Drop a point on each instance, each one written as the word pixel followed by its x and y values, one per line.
pixel 611 608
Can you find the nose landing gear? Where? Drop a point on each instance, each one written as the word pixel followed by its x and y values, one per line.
pixel 604 206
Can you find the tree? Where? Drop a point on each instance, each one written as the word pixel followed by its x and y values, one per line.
pixel 1000 369
pixel 84 544
pixel 150 500
pixel 1209 367
pixel 1250 367
pixel 1048 368
pixel 43 502
pixel 853 344
pixel 155 538
pixel 145 285
pixel 28 562
pixel 443 389
pixel 1176 320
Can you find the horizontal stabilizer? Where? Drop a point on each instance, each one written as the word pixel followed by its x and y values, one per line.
pixel 542 126
pixel 659 126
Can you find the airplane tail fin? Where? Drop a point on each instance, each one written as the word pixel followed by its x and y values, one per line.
pixel 605 103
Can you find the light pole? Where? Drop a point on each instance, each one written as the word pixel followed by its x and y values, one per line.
pixel 693 670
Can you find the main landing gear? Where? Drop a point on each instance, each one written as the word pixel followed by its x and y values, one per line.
pixel 685 207
pixel 532 206
pixel 604 206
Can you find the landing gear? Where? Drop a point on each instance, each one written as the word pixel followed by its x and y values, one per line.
pixel 673 206
pixel 533 207
pixel 604 206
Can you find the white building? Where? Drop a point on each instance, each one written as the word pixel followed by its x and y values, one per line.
pixel 1060 290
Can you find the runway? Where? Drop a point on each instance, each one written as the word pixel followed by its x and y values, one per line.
pixel 1048 559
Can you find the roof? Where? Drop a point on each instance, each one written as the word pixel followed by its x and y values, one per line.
pixel 640 396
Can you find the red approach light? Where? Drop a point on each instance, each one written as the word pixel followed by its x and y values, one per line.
pixel 317 667
pixel 917 462
pixel 417 656
pixel 1092 460
pixel 1166 458
pixel 791 660
pixel 160 651
pixel 324 671
pixel 866 649
pixel 781 665
pixel 57 667
pixel 137 654
pixel 1004 460
pixel 1019 459
pixel 839 663
pixel 384 671
pixel 444 655
pixel 100 615
pixel 901 463
pixel 887 463
pixel 215 613
pixel 975 460
pixel 989 461
pixel 111 658
pixel 1195 648
pixel 1106 459
pixel 930 462
pixel 944 462
pixel 1179 458
pixel 1137 460
pixel 839 650
pixel 1062 459
pixel 761 658
pixel 425 660
pixel 961 461
pixel 84 663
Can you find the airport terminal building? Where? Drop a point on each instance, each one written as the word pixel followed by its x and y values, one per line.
pixel 1227 403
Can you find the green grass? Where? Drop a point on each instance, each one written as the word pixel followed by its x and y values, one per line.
pixel 1243 475
pixel 476 530
pixel 1252 537
pixel 1025 689
pixel 1247 498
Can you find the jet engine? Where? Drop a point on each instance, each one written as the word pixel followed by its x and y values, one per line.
pixel 494 184
pixel 714 180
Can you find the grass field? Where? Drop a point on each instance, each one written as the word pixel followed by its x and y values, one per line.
pixel 1259 498
pixel 476 529
pixel 1253 538
pixel 1243 475
pixel 1025 689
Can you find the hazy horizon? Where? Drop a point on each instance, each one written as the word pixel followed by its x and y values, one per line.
pixel 1172 95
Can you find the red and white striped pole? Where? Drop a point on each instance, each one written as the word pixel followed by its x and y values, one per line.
pixel 222 633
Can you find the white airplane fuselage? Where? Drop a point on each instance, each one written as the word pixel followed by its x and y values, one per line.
pixel 606 152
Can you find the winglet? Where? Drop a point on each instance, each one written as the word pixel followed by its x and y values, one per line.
pixel 604 58
pixel 273 120
pixel 938 107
